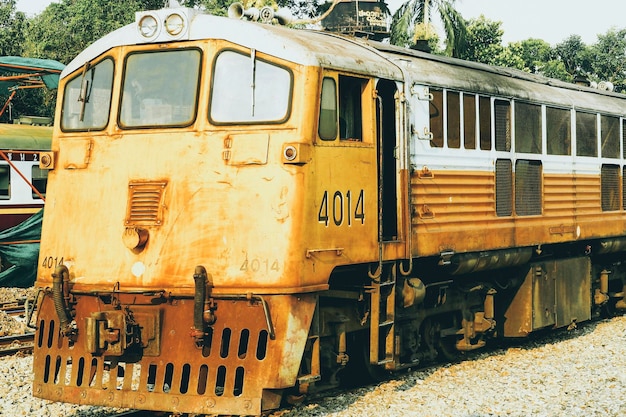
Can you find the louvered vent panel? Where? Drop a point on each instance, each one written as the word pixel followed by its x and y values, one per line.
pixel 504 187
pixel 528 188
pixel 610 187
pixel 145 202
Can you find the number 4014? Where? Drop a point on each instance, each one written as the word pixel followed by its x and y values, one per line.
pixel 340 208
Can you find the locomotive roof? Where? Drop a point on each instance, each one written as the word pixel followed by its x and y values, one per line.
pixel 303 47
pixel 317 48
pixel 441 71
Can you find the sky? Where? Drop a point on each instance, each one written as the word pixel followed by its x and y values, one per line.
pixel 550 20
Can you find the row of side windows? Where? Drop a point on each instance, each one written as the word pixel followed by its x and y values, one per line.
pixel 462 118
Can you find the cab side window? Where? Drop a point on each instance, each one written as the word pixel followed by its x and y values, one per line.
pixel 350 109
pixel 328 110
pixel 341 108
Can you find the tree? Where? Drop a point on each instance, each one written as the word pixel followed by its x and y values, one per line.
pixel 609 63
pixel 483 41
pixel 534 53
pixel 415 16
pixel 64 29
pixel 12 28
pixel 575 56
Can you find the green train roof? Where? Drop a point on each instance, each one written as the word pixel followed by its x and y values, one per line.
pixel 25 137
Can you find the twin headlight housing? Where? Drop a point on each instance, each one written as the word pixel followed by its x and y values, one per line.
pixel 164 25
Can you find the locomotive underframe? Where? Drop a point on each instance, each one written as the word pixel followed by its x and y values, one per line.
pixel 366 325
pixel 449 314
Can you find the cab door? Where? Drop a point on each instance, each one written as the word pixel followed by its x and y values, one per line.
pixel 345 173
pixel 391 169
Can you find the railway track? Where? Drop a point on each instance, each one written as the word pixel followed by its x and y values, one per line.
pixel 13 343
pixel 16 343
pixel 13 308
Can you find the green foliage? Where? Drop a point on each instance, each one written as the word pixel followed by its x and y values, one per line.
pixel 483 41
pixel 575 55
pixel 555 68
pixel 609 63
pixel 534 53
pixel 564 62
pixel 414 15
pixel 64 29
pixel 215 7
pixel 12 28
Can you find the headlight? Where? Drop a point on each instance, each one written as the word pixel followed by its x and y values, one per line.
pixel 148 26
pixel 164 25
pixel 174 24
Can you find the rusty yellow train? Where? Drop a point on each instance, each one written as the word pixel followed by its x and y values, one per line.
pixel 239 212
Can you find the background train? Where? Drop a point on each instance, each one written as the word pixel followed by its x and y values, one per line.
pixel 22 196
pixel 239 213
pixel 22 181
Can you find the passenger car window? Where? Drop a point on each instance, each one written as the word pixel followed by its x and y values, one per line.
pixel 528 128
pixel 586 134
pixel 559 131
pixel 610 136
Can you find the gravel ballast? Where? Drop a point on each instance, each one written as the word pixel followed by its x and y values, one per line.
pixel 579 373
pixel 576 373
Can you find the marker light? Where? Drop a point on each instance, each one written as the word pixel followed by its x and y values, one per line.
pixel 290 153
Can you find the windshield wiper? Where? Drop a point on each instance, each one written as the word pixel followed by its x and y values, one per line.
pixel 85 89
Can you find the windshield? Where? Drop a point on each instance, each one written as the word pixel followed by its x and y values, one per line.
pixel 160 88
pixel 247 90
pixel 87 98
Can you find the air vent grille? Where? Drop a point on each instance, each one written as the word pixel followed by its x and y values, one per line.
pixel 145 203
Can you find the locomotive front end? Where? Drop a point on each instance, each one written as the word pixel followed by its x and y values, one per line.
pixel 170 269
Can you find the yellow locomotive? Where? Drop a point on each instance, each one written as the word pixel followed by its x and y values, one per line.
pixel 238 212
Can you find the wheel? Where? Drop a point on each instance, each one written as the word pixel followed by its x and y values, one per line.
pixel 359 370
pixel 444 346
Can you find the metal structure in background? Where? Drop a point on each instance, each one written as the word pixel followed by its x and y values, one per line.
pixel 363 18
pixel 18 73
